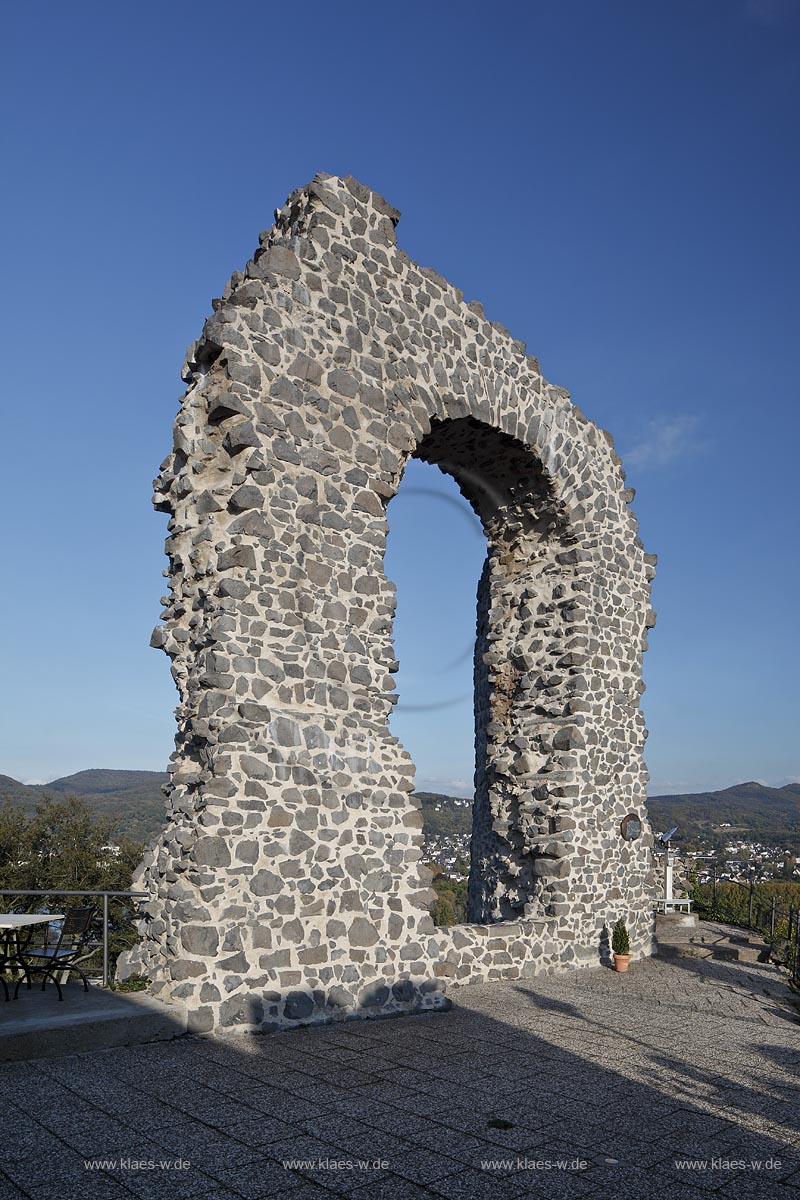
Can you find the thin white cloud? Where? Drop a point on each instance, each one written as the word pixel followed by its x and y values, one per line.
pixel 671 787
pixel 684 787
pixel 457 787
pixel 666 440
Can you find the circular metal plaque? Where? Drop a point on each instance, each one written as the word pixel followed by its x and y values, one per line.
pixel 631 827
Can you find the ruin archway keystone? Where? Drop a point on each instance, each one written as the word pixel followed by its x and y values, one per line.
pixel 287 885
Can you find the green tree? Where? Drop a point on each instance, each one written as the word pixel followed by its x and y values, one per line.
pixel 450 907
pixel 72 848
pixel 65 847
pixel 16 869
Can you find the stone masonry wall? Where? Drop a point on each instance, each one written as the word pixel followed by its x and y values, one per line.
pixel 287 885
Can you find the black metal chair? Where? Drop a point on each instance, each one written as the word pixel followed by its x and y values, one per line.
pixel 4 960
pixel 11 942
pixel 69 950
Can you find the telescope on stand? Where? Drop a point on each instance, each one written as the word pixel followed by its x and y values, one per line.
pixel 669 902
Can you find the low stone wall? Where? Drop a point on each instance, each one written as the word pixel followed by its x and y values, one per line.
pixel 427 971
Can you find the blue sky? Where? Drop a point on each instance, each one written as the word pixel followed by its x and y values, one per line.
pixel 617 182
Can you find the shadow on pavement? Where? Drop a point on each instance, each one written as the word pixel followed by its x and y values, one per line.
pixel 514 1092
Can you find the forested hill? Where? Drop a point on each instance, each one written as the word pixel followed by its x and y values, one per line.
pixel 762 814
pixel 759 813
pixel 134 801
pixel 131 800
pixel 445 816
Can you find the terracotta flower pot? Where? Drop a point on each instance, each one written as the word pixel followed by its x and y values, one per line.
pixel 621 962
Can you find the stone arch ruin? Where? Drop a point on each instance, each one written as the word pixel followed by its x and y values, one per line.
pixel 287 885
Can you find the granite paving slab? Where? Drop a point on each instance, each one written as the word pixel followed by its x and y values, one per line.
pixel 583 1085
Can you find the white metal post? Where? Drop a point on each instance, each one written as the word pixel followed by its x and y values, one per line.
pixel 105 939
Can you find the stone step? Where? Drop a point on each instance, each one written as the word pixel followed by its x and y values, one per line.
pixel 724 949
pixel 677 920
pixel 712 933
pixel 38 1025
pixel 681 935
pixel 710 936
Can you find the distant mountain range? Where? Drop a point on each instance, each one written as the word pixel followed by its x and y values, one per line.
pixel 759 813
pixel 133 800
pixel 753 811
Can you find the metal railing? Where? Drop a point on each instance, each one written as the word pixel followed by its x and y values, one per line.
pixel 81 892
pixel 739 902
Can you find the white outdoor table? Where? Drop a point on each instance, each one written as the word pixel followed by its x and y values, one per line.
pixel 20 920
pixel 10 925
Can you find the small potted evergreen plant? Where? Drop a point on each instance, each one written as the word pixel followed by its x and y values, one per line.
pixel 621 946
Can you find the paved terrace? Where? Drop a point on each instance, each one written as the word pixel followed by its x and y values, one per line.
pixel 624 1075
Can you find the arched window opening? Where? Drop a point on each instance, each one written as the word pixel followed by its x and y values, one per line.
pixel 513 822
pixel 435 555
